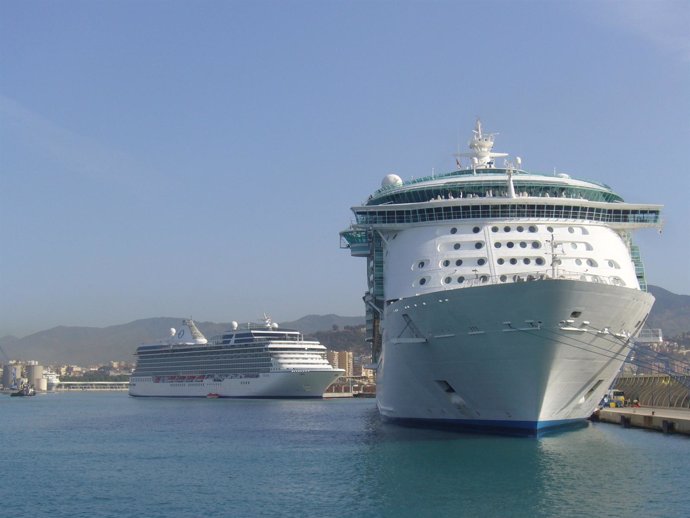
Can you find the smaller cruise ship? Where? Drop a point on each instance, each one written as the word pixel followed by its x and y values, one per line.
pixel 253 361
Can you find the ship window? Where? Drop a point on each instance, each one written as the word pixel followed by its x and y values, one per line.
pixel 574 246
pixel 456 246
pixel 575 314
pixel 506 229
pixel 458 262
pixel 497 245
pixel 523 244
pixel 549 229
pixel 503 278
pixel 447 280
pixel 483 278
pixel 513 261
pixel 571 230
pixel 422 281
pixel 476 230
pixel 501 260
pixel 494 229
pixel 520 229
pixel 478 245
pixel 420 264
pixel 445 386
pixel 510 244
pixel 532 228
pixel 453 230
pixel 446 263
pixel 536 244
pixel 578 261
pixel 481 262
pixel 592 262
pixel 461 279
pixel 526 260
pixel 539 260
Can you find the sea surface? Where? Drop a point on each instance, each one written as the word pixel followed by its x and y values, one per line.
pixel 93 454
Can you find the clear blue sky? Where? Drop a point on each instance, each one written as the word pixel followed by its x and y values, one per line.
pixel 199 158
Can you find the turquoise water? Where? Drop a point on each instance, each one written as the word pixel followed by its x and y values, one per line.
pixel 107 455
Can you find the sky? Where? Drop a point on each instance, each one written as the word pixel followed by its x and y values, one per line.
pixel 199 158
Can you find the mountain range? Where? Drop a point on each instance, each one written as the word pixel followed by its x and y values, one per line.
pixel 90 345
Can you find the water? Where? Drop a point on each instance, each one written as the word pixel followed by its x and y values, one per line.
pixel 108 455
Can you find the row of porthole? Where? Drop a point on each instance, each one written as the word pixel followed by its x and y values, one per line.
pixel 508 228
pixel 519 228
pixel 523 244
pixel 526 260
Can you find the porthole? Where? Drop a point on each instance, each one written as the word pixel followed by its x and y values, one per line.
pixel 571 230
pixel 523 244
pixel 453 230
pixel 497 245
pixel 526 260
pixel 513 261
pixel 536 244
pixel 578 261
pixel 422 281
pixel 483 278
pixel 446 263
pixel 532 228
pixel 494 229
pixel 549 230
pixel 591 262
pixel 539 261
pixel 520 229
pixel 573 246
pixel 458 262
pixel 506 229
pixel 476 230
pixel 420 264
pixel 478 245
pixel 611 264
pixel 510 244
pixel 461 279
pixel 501 261
pixel 503 278
pixel 456 246
pixel 447 280
pixel 481 262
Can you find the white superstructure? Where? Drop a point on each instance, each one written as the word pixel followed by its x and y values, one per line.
pixel 498 298
pixel 255 361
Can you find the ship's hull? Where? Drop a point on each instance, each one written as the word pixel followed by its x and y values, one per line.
pixel 520 358
pixel 286 384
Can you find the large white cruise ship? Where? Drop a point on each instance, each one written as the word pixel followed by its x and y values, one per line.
pixel 258 361
pixel 498 299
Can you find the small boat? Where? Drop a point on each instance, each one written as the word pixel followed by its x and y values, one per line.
pixel 25 390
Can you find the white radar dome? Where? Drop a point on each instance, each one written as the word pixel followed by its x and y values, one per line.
pixel 274 325
pixel 234 325
pixel 391 180
pixel 173 331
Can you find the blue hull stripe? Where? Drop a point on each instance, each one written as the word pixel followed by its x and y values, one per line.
pixel 521 428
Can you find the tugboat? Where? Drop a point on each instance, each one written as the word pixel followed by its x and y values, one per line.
pixel 24 390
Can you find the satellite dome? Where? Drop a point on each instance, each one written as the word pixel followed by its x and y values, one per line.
pixel 274 325
pixel 234 325
pixel 391 180
pixel 173 331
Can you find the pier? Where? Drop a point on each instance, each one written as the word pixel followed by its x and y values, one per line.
pixel 667 420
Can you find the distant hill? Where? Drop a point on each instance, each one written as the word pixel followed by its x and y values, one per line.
pixel 671 312
pixel 92 345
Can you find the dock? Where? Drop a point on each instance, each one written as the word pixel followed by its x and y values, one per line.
pixel 667 420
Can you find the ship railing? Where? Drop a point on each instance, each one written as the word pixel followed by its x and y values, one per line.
pixel 540 275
